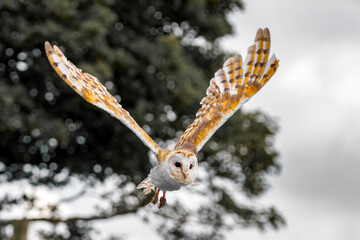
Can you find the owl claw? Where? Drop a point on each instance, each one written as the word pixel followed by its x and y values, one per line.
pixel 162 200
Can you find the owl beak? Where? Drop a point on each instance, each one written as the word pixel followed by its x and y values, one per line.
pixel 184 174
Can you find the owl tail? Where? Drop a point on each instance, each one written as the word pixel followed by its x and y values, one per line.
pixel 146 185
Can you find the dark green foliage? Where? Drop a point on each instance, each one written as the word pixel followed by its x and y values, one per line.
pixel 145 52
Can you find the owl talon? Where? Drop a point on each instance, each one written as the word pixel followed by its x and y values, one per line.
pixel 155 198
pixel 162 200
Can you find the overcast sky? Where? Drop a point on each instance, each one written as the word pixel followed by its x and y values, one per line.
pixel 315 95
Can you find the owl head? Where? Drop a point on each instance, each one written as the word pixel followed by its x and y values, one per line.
pixel 182 166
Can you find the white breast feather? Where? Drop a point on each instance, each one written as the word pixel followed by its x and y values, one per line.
pixel 161 178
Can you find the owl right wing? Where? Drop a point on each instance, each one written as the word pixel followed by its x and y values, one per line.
pixel 229 90
pixel 90 88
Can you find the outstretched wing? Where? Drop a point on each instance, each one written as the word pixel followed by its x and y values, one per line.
pixel 90 88
pixel 228 90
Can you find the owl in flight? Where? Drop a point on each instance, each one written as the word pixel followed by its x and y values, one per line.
pixel 230 88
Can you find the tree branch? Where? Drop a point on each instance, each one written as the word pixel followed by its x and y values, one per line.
pixel 89 218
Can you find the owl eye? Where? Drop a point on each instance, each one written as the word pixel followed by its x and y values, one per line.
pixel 191 166
pixel 177 164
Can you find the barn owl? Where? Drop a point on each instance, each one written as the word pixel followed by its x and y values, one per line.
pixel 228 91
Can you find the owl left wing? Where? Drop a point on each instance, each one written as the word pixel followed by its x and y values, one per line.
pixel 90 88
pixel 228 90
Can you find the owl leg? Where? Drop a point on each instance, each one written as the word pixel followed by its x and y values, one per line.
pixel 155 198
pixel 162 200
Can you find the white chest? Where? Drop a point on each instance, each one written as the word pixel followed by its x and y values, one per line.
pixel 160 177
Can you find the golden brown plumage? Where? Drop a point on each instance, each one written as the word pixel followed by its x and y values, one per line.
pixel 228 90
pixel 90 88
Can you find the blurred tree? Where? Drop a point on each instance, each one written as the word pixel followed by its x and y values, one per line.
pixel 158 56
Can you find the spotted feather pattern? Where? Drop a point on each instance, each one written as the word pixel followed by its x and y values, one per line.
pixel 228 90
pixel 90 88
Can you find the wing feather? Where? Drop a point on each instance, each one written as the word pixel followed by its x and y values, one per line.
pixel 91 89
pixel 266 50
pixel 259 55
pixel 228 90
pixel 249 60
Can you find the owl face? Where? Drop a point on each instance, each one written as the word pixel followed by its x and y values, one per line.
pixel 183 166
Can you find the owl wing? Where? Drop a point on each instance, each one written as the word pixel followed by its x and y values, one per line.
pixel 228 90
pixel 90 88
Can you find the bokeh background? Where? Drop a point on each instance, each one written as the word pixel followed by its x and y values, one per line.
pixel 285 167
